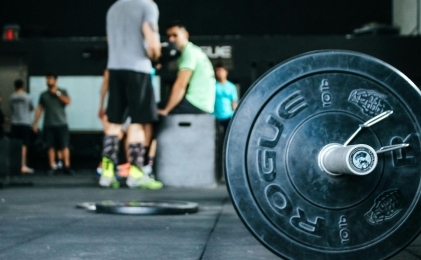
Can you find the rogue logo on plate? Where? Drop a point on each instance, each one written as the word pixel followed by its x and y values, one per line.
pixel 272 162
pixel 362 159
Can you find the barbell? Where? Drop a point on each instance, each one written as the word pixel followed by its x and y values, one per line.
pixel 322 158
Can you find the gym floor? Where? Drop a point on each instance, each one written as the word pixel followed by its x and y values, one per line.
pixel 42 222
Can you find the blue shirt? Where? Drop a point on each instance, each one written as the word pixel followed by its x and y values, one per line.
pixel 225 95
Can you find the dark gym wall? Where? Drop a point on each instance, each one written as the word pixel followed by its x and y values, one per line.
pixel 72 18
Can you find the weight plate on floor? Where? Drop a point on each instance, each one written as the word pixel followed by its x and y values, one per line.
pixel 271 158
pixel 86 205
pixel 147 207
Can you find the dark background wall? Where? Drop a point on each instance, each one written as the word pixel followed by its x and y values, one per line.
pixel 315 24
pixel 66 18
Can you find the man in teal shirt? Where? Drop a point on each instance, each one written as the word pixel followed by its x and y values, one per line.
pixel 226 96
pixel 194 89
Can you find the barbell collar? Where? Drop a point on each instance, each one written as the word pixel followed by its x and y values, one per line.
pixel 336 159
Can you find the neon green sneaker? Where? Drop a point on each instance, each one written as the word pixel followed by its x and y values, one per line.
pixel 107 178
pixel 138 179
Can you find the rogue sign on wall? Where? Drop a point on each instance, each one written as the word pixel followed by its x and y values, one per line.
pixel 214 52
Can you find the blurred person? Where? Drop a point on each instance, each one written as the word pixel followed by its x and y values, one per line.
pixel 194 89
pixel 133 41
pixel 56 131
pixel 123 166
pixel 226 98
pixel 101 112
pixel 21 107
pixel 104 90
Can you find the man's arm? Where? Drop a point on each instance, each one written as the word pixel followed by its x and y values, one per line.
pixel 153 45
pixel 177 92
pixel 234 102
pixel 38 113
pixel 63 97
pixel 104 90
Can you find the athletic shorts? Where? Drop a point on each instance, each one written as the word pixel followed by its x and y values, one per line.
pixel 56 136
pixel 22 132
pixel 184 107
pixel 132 92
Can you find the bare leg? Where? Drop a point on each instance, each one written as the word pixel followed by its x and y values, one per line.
pixel 52 157
pixel 25 169
pixel 148 128
pixel 105 123
pixel 135 134
pixel 24 149
pixel 60 155
pixel 152 149
pixel 66 157
pixel 113 129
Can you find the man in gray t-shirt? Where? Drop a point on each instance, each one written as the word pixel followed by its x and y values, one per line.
pixel 132 33
pixel 21 107
pixel 127 46
pixel 56 132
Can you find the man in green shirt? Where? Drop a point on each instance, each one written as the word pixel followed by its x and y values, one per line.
pixel 194 89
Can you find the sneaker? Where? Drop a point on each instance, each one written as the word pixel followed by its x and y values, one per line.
pixel 147 169
pixel 107 178
pixel 59 165
pixel 138 179
pixel 26 170
pixel 123 170
pixel 51 172
pixel 68 171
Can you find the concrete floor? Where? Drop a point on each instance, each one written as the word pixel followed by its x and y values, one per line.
pixel 41 222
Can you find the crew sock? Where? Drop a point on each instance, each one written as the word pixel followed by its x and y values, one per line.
pixel 136 154
pixel 110 148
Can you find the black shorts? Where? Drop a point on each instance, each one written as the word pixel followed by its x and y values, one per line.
pixel 184 107
pixel 56 136
pixel 132 92
pixel 22 132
